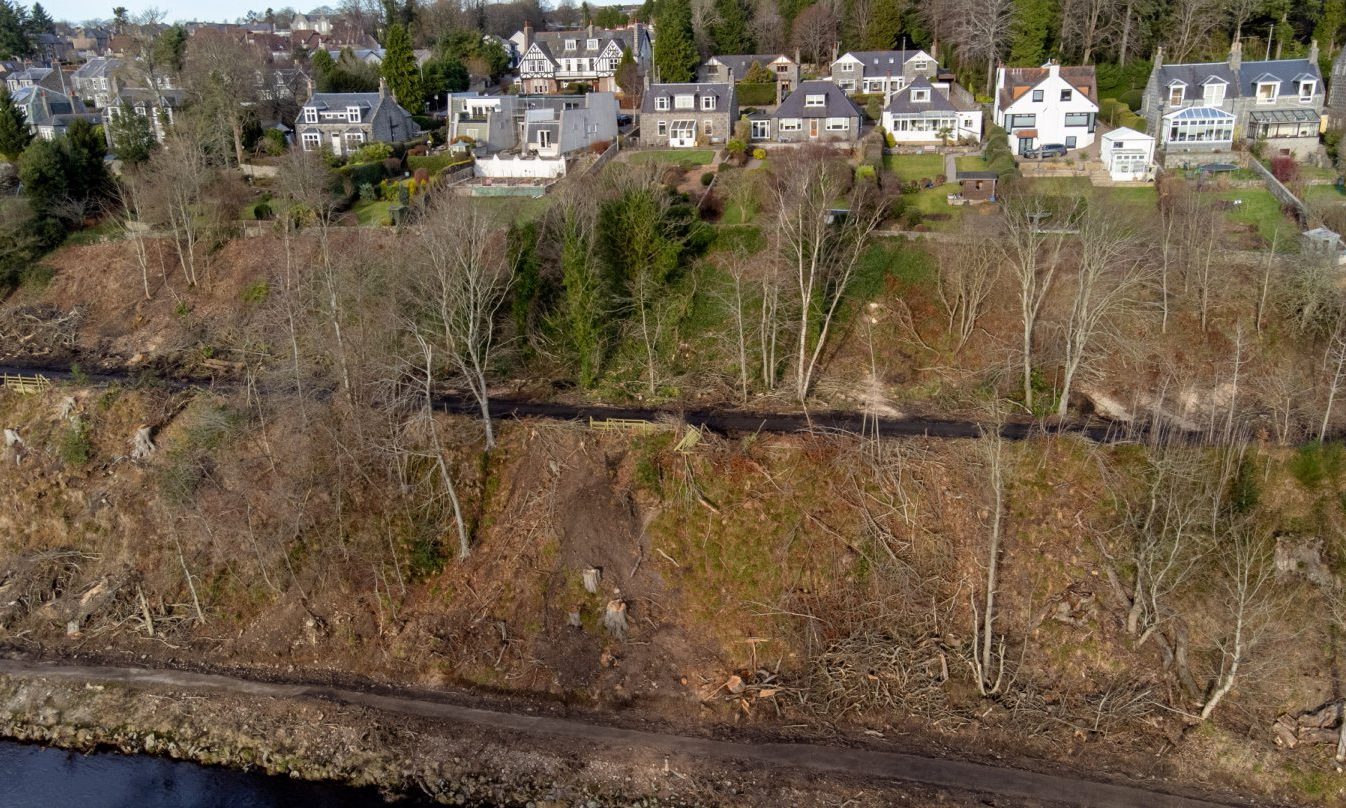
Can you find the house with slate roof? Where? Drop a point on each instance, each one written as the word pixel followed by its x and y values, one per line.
pixel 882 71
pixel 552 60
pixel 96 80
pixel 687 115
pixel 733 69
pixel 816 112
pixel 544 125
pixel 1045 105
pixel 1208 107
pixel 48 77
pixel 159 107
pixel 343 122
pixel 50 112
pixel 932 112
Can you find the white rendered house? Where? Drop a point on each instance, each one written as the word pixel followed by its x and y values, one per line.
pixel 1046 105
pixel 926 112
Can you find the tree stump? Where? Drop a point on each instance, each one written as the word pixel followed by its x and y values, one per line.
pixel 592 577
pixel 614 618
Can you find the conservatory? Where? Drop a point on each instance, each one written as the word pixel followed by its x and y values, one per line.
pixel 1204 128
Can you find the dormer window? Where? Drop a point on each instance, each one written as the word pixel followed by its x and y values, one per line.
pixel 1037 96
pixel 684 102
pixel 570 44
pixel 591 44
pixel 707 103
pixel 310 115
pixel 353 114
pixel 1176 93
pixel 815 100
pixel 1213 94
pixel 1306 90
pixel 1267 91
pixel 920 94
pixel 661 103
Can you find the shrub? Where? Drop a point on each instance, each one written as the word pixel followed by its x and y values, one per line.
pixel 1316 463
pixel 736 147
pixel 1284 168
pixel 600 146
pixel 256 292
pixel 759 153
pixel 273 142
pixel 707 177
pixel 76 448
pixel 865 173
pixel 261 211
pixel 756 95
pixel 367 192
pixel 371 152
pixel 890 139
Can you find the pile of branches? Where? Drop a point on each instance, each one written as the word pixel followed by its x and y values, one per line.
pixel 39 330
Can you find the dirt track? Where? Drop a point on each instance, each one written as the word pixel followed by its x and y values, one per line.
pixel 799 758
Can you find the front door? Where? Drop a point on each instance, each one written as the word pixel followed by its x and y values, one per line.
pixel 813 128
pixel 1025 145
pixel 336 144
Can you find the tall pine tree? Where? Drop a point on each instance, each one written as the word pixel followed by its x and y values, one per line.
pixel 16 40
pixel 731 34
pixel 14 133
pixel 39 21
pixel 885 23
pixel 1033 20
pixel 1328 30
pixel 400 69
pixel 675 55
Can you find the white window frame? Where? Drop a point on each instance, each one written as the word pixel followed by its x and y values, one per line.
pixel 815 101
pixel 685 101
pixel 838 125
pixel 1178 90
pixel 591 44
pixel 661 128
pixel 355 138
pixel 1271 98
pixel 314 138
pixel 1306 91
pixel 543 138
pixel 920 94
pixel 707 103
pixel 570 44
pixel 661 103
pixel 353 114
pixel 761 129
pixel 310 115
pixel 789 125
pixel 848 67
pixel 1212 95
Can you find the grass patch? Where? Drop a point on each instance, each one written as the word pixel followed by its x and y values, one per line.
pixel 373 213
pixel 1317 463
pixel 914 166
pixel 682 157
pixel 517 209
pixel 970 162
pixel 1260 209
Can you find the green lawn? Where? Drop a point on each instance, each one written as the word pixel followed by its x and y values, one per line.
pixel 520 209
pixel 685 157
pixel 1324 195
pixel 971 162
pixel 914 166
pixel 434 163
pixel 372 214
pixel 1141 197
pixel 739 214
pixel 1260 208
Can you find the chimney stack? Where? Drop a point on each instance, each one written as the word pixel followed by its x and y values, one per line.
pixel 1236 55
pixel 383 86
pixel 591 30
pixel 527 34
pixel 1313 51
pixel 1158 57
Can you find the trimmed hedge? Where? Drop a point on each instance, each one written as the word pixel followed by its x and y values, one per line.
pixel 756 95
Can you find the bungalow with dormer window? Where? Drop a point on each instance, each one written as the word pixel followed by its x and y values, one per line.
pixel 687 115
pixel 1208 107
pixel 343 122
pixel 883 72
pixel 932 112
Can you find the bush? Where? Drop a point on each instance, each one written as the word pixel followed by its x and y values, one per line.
pixel 736 147
pixel 600 146
pixel 1284 168
pixel 273 142
pixel 76 449
pixel 759 153
pixel 756 95
pixel 256 292
pixel 1317 463
pixel 363 174
pixel 707 177
pixel 261 211
pixel 367 192
pixel 372 152
pixel 865 173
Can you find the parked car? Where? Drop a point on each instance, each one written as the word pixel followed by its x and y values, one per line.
pixel 624 120
pixel 1048 150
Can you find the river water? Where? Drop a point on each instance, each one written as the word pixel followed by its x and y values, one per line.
pixel 37 777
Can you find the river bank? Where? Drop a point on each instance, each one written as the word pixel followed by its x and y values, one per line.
pixel 451 763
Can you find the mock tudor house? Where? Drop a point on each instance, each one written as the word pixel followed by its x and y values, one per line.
pixel 686 115
pixel 817 112
pixel 882 71
pixel 545 125
pixel 1207 107
pixel 1047 105
pixel 344 122
pixel 733 69
pixel 932 112
pixel 552 60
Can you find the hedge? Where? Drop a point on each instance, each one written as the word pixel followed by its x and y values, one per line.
pixel 756 95
pixel 363 173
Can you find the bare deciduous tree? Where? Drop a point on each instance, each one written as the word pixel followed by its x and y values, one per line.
pixel 821 247
pixel 1032 244
pixel 982 33
pixel 462 284
pixel 989 660
pixel 966 276
pixel 1190 24
pixel 181 174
